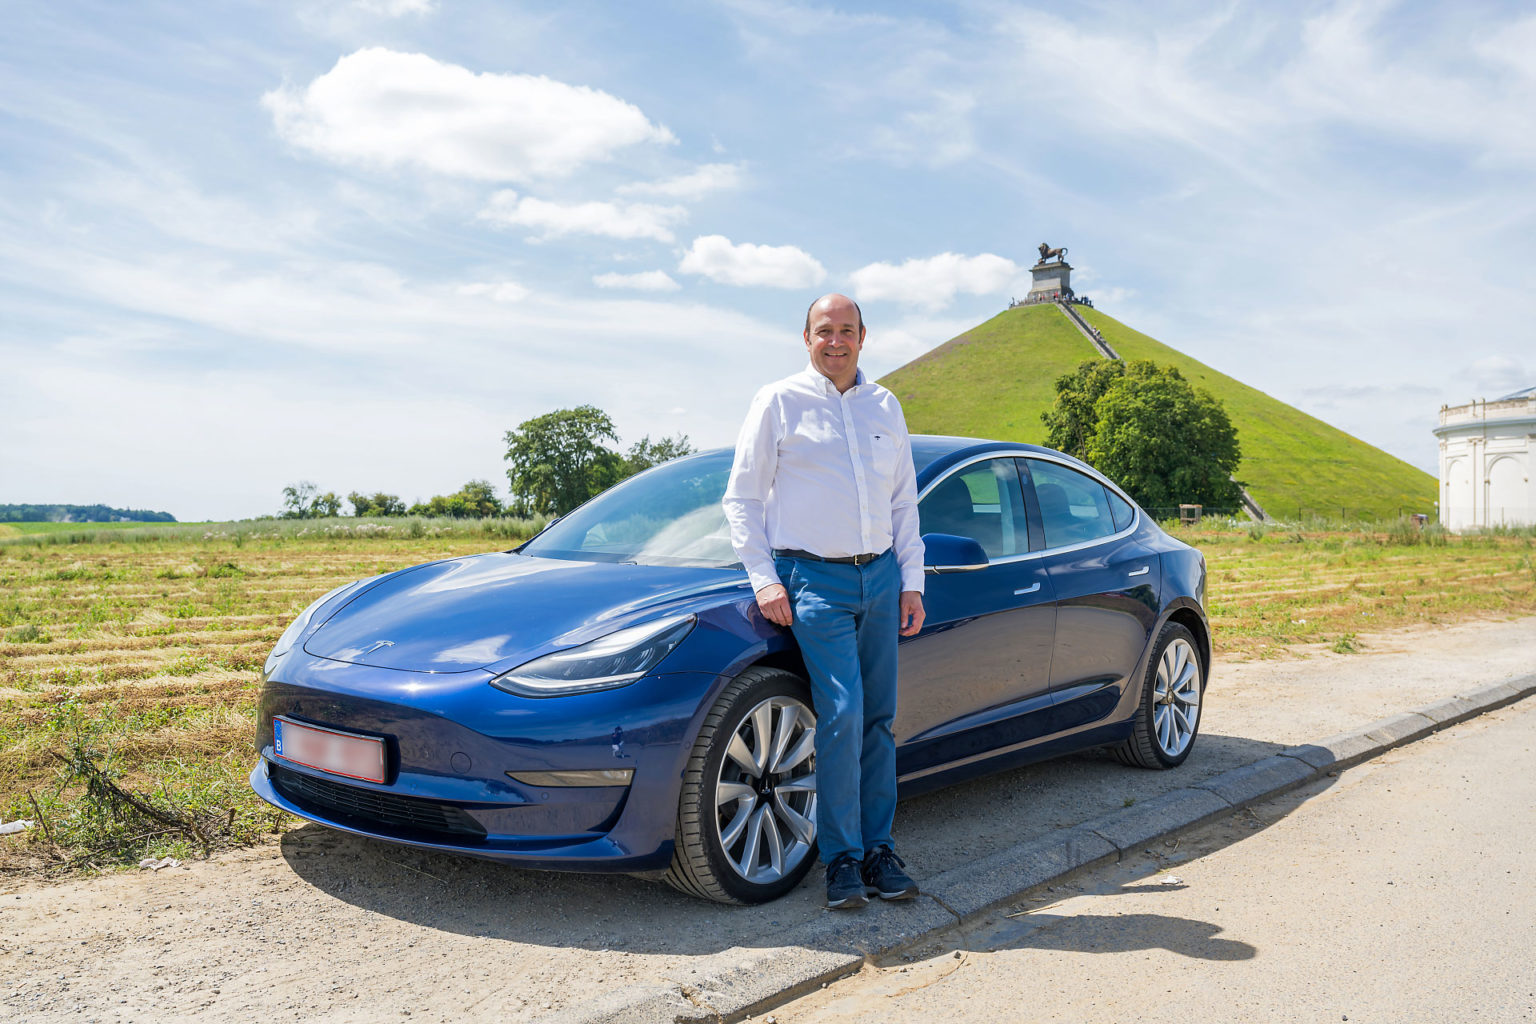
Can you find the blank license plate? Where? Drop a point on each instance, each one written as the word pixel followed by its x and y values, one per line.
pixel 341 753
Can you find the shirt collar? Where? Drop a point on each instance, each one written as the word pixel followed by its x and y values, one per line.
pixel 824 382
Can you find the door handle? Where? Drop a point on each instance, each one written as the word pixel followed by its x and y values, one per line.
pixel 1027 590
pixel 1140 572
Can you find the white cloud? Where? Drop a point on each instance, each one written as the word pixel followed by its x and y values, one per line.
pixel 933 283
pixel 645 281
pixel 937 133
pixel 1344 73
pixel 175 343
pixel 496 291
pixel 395 8
pixel 707 178
pixel 610 220
pixel 383 108
pixel 770 266
pixel 905 87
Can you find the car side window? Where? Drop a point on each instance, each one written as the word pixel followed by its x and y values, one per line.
pixel 1120 508
pixel 1074 507
pixel 984 502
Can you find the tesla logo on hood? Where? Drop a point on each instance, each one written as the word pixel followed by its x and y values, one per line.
pixel 375 646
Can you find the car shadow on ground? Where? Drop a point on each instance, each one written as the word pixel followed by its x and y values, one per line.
pixel 935 832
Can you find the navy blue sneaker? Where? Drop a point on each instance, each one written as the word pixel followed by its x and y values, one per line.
pixel 845 887
pixel 883 875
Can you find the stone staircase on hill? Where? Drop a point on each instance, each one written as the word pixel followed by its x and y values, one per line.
pixel 1089 331
pixel 1251 507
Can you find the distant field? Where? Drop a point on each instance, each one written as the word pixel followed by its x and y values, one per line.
pixel 268 531
pixel 141 660
pixel 15 529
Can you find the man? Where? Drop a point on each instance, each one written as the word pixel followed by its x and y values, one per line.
pixel 822 503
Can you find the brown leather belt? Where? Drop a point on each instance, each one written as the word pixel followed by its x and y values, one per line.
pixel 840 560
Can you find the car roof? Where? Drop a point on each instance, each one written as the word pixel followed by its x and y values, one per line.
pixel 932 454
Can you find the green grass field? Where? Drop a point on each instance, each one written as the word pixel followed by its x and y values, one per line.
pixel 263 531
pixel 132 667
pixel 994 380
pixel 30 529
pixel 997 378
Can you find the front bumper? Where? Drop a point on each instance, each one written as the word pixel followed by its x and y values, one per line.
pixel 451 739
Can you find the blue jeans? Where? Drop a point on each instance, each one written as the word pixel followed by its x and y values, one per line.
pixel 845 620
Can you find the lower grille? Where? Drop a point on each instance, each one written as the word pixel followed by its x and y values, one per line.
pixel 372 808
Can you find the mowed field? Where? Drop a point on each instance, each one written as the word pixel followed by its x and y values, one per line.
pixel 129 668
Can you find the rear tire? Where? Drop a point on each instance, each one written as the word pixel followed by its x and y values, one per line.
pixel 746 821
pixel 1168 718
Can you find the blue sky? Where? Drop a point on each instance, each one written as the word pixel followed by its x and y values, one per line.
pixel 355 241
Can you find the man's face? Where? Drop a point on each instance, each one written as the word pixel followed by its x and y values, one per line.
pixel 834 339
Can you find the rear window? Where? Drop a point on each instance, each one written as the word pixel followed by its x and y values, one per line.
pixel 1074 507
pixel 1120 509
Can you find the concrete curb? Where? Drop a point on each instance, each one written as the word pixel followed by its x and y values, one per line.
pixel 735 983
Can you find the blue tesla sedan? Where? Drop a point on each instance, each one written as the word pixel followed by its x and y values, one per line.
pixel 608 697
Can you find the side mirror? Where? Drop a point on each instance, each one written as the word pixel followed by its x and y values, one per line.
pixel 944 552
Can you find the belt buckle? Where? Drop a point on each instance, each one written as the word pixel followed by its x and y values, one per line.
pixel 863 559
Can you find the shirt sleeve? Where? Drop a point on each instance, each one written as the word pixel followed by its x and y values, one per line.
pixel 904 530
pixel 746 493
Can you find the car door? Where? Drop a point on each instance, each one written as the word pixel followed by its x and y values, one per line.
pixel 1106 585
pixel 975 676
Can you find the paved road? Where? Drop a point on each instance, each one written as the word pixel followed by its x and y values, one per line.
pixel 1400 891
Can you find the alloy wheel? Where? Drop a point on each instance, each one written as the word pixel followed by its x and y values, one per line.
pixel 765 797
pixel 1176 697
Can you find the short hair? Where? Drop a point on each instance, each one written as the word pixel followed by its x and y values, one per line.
pixel 812 306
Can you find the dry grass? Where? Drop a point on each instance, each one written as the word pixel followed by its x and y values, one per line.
pixel 1270 590
pixel 146 656
pixel 143 659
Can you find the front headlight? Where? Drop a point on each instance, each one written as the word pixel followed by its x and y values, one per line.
pixel 297 627
pixel 617 659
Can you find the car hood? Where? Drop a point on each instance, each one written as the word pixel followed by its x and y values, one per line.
pixel 498 610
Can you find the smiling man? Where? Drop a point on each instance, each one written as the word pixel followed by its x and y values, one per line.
pixel 822 503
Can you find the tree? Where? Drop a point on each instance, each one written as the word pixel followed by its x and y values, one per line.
pixel 475 500
pixel 376 504
pixel 325 505
pixel 645 453
pixel 301 502
pixel 297 499
pixel 1070 423
pixel 557 461
pixel 1158 436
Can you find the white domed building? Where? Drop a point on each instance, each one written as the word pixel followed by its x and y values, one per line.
pixel 1486 452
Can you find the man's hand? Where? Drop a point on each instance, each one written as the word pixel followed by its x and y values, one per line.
pixel 911 618
pixel 774 601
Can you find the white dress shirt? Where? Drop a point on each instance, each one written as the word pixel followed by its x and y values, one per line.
pixel 826 473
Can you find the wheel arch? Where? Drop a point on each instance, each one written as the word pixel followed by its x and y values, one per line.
pixel 1191 618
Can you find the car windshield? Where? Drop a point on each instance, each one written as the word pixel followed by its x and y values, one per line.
pixel 669 515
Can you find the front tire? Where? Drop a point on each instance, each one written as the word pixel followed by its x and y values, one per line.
pixel 1169 715
pixel 746 822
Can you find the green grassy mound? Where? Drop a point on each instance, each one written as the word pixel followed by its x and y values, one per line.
pixel 997 378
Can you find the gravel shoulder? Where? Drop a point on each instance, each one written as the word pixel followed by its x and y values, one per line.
pixel 319 923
